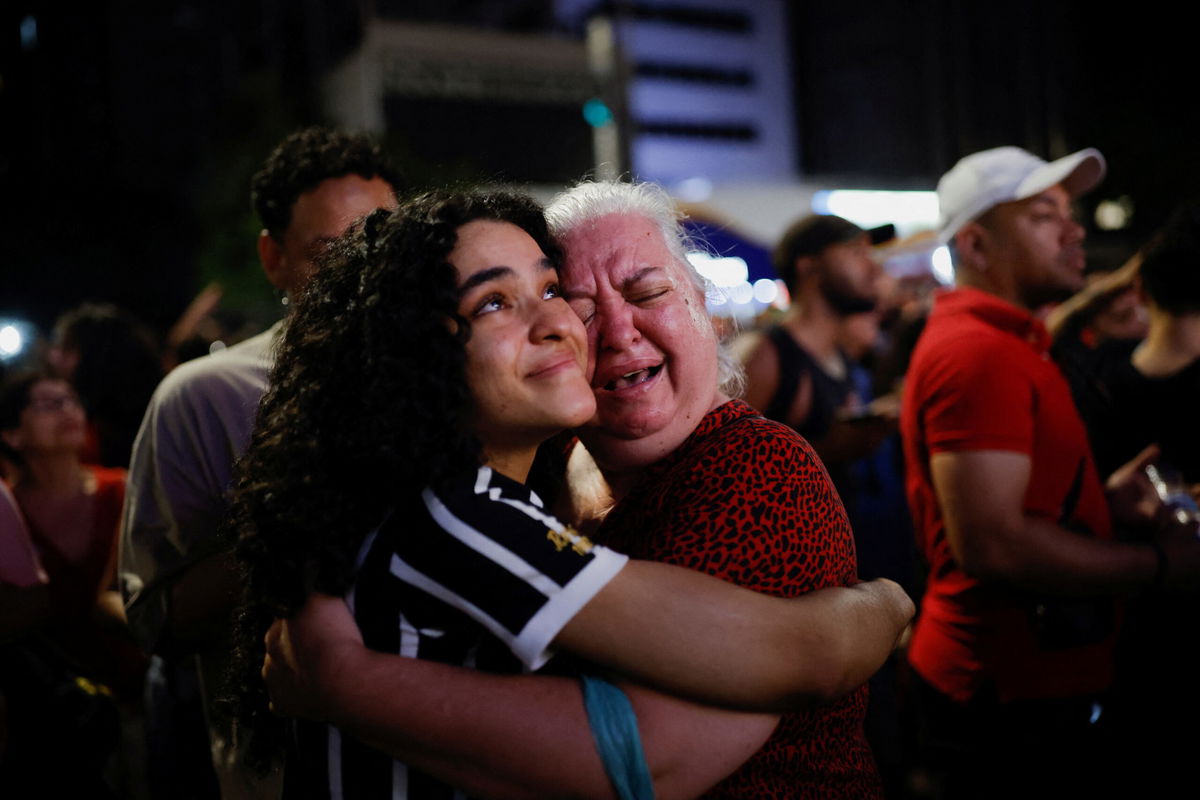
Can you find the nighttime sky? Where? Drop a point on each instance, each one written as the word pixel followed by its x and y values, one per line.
pixel 130 128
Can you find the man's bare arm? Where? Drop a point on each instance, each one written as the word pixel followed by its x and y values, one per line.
pixel 761 364
pixel 495 736
pixel 981 494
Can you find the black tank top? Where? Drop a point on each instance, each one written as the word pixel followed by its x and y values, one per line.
pixel 828 393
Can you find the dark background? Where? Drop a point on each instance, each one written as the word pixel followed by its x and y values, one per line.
pixel 129 130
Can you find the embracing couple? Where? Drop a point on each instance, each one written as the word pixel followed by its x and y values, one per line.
pixel 387 515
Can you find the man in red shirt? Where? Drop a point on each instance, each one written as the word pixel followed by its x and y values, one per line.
pixel 1013 648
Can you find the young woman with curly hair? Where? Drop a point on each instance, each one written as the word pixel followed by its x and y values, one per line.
pixel 419 374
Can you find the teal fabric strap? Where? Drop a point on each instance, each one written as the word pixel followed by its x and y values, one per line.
pixel 614 728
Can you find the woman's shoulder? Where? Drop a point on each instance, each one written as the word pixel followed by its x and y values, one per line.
pixel 744 430
pixel 481 485
pixel 484 500
pixel 746 445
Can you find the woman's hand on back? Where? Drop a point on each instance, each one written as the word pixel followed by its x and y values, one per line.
pixel 307 656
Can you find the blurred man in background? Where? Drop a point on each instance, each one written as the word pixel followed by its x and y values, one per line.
pixel 796 373
pixel 176 570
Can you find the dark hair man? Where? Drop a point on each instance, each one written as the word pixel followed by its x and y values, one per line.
pixel 177 573
pixel 796 372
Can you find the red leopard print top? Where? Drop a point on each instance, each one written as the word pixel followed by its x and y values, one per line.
pixel 746 499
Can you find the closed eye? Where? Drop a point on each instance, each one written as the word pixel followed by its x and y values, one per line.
pixel 584 309
pixel 648 294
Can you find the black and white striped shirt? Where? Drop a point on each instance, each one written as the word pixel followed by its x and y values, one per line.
pixel 479 575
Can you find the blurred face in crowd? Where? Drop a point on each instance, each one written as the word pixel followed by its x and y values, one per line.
pixel 52 421
pixel 1124 317
pixel 1039 244
pixel 63 359
pixel 527 352
pixel 848 275
pixel 651 347
pixel 318 217
pixel 858 333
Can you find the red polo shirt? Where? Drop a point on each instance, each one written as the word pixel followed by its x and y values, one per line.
pixel 981 378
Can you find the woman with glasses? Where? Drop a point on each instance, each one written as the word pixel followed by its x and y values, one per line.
pixel 65 650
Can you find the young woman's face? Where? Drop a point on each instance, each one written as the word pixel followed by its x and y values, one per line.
pixel 527 352
pixel 53 420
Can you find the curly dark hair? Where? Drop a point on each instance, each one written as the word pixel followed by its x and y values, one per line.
pixel 368 393
pixel 306 158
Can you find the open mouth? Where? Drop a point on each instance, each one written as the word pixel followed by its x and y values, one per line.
pixel 633 378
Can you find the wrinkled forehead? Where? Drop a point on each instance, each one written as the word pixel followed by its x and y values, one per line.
pixel 612 249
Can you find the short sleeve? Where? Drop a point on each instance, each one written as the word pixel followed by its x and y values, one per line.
pixel 168 508
pixel 976 398
pixel 496 555
pixel 197 424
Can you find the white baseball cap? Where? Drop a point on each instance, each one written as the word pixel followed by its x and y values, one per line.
pixel 1004 174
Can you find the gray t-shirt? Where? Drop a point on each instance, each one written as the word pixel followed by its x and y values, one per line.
pixel 197 424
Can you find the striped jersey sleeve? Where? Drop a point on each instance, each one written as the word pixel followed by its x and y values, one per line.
pixel 495 554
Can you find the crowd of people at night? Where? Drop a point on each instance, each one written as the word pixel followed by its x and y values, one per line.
pixel 497 509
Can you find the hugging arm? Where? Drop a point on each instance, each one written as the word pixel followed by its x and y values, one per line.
pixel 690 634
pixel 665 625
pixel 495 736
pixel 677 629
pixel 687 632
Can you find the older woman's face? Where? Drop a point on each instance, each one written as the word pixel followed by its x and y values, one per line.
pixel 652 357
